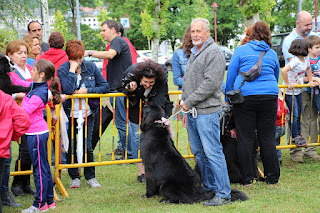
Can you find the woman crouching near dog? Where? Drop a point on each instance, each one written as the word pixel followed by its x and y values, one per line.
pixel 146 81
pixel 258 113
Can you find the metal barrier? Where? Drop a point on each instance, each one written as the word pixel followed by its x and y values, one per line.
pixel 58 166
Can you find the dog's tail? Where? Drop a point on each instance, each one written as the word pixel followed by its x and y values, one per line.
pixel 236 194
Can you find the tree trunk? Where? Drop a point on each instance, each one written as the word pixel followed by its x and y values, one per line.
pixel 155 41
pixel 248 22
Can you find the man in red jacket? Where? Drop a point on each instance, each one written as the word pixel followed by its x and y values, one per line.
pixel 14 122
pixel 133 51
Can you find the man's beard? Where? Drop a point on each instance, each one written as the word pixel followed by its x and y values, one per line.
pixel 196 43
pixel 305 33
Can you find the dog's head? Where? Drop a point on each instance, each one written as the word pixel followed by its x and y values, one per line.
pixel 151 113
pixel 6 65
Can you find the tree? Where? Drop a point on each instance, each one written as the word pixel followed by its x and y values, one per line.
pixel 253 11
pixel 154 18
pixel 66 5
pixel 130 9
pixel 16 10
pixel 91 38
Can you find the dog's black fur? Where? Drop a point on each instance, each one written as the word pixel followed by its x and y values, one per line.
pixel 166 171
pixel 6 85
pixel 230 150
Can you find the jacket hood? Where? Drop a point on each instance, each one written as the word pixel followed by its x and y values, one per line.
pixel 54 54
pixel 259 45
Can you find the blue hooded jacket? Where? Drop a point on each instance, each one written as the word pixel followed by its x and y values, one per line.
pixel 243 58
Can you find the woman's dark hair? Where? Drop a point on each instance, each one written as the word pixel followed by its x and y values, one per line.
pixel 261 32
pixel 150 69
pixel 74 49
pixel 299 47
pixel 56 40
pixel 187 42
pixel 49 70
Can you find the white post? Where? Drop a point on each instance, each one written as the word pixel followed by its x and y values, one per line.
pixel 78 20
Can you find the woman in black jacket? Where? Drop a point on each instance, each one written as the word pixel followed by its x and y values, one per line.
pixel 145 81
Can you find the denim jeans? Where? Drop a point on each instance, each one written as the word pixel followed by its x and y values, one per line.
pixel 121 123
pixel 295 124
pixel 280 131
pixel 204 136
pixel 6 173
pixel 134 139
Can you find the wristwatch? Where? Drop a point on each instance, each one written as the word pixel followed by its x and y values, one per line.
pixel 89 53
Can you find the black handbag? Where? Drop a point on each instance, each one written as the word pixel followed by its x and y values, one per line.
pixel 235 96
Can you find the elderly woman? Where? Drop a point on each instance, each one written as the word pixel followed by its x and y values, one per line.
pixel 17 50
pixel 256 116
pixel 80 77
pixel 34 46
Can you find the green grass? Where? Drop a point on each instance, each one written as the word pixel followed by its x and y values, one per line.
pixel 297 190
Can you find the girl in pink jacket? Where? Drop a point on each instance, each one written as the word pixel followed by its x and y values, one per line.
pixel 34 103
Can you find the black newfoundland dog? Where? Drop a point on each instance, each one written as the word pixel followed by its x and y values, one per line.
pixel 166 171
pixel 6 65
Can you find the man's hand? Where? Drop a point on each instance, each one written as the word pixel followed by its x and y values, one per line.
pixel 19 96
pixel 184 121
pixel 63 97
pixel 184 107
pixel 290 87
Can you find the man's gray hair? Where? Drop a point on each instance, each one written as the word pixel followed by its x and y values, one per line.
pixel 205 21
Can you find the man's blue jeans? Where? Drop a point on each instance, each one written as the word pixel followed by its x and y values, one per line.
pixel 295 124
pixel 121 123
pixel 204 136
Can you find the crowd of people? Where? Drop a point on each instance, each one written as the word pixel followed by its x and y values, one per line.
pixel 198 70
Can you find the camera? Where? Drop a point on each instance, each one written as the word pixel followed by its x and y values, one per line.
pixel 126 80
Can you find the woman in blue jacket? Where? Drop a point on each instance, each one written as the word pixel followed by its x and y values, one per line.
pixel 256 116
pixel 80 77
pixel 180 59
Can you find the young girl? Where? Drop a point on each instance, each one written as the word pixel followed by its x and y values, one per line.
pixel 34 103
pixel 293 73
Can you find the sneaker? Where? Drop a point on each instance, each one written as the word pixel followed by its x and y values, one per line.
pixel 7 199
pixel 75 183
pixel 217 201
pixel 44 208
pixel 118 151
pixel 93 183
pixel 299 141
pixel 30 209
pixel 52 205
pixel 141 178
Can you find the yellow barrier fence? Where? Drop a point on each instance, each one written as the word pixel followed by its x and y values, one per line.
pixel 58 166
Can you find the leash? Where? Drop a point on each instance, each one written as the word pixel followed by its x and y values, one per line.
pixel 192 111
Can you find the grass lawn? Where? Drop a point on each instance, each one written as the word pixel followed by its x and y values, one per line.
pixel 297 190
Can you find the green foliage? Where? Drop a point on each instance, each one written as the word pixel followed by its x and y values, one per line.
pixel 16 11
pixel 132 10
pixel 61 24
pixel 154 18
pixel 250 8
pixel 92 39
pixel 6 35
